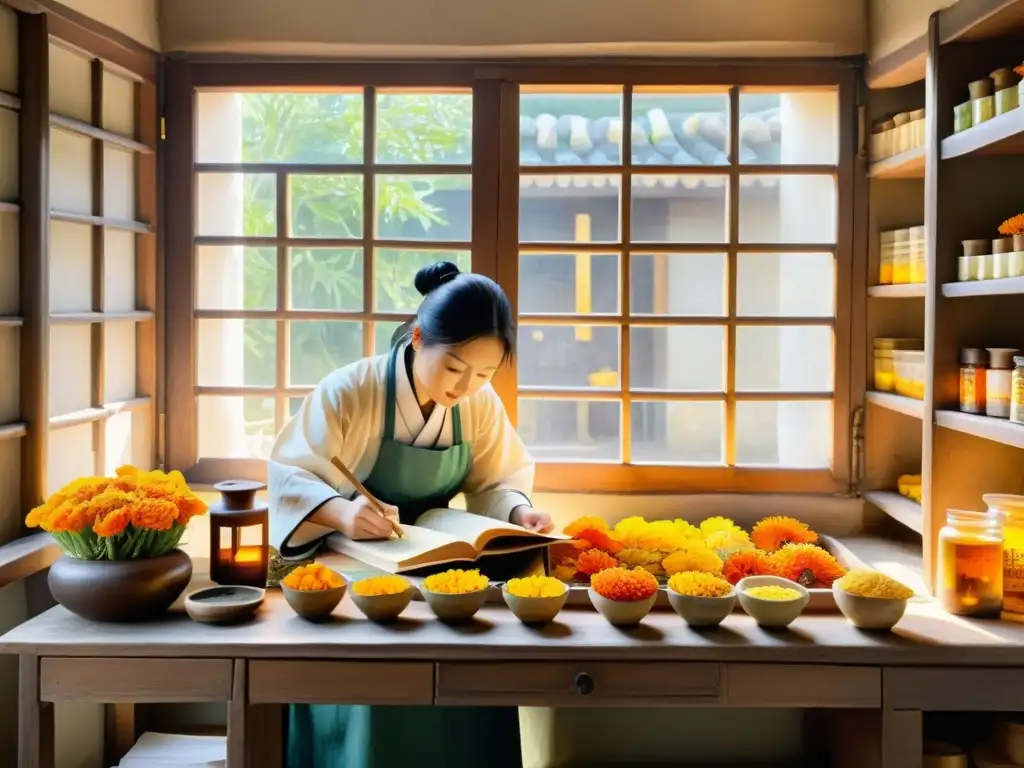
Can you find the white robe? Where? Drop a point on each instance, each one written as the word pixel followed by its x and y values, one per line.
pixel 344 417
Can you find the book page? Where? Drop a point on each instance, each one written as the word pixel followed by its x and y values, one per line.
pixel 477 530
pixel 419 545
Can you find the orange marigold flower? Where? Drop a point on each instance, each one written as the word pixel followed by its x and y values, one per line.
pixel 1013 225
pixel 600 540
pixel 807 564
pixel 155 514
pixel 594 561
pixel 112 523
pixel 773 533
pixel 624 585
pixel 584 524
pixel 745 563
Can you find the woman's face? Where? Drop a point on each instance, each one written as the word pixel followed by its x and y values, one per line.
pixel 446 375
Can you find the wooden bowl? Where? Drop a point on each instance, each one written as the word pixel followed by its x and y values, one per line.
pixel 455 608
pixel 869 612
pixel 382 608
pixel 702 611
pixel 772 613
pixel 535 610
pixel 622 613
pixel 314 604
pixel 224 604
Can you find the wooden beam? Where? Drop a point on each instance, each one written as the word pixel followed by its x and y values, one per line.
pixel 147 268
pixel 96 132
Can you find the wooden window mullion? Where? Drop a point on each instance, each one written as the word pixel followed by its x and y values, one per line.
pixel 282 376
pixel 733 207
pixel 98 329
pixel 369 213
pixel 626 237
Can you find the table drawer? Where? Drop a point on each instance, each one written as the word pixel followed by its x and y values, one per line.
pixel 341 682
pixel 579 683
pixel 994 689
pixel 803 685
pixel 142 681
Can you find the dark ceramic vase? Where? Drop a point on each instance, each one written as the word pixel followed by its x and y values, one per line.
pixel 120 590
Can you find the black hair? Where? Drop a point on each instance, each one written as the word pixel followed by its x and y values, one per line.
pixel 459 307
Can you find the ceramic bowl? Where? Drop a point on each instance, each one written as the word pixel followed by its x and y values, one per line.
pixel 772 613
pixel 702 611
pixel 223 604
pixel 315 604
pixel 535 610
pixel 455 608
pixel 622 613
pixel 382 608
pixel 869 612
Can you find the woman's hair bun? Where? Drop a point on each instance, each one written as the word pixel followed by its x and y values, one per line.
pixel 433 276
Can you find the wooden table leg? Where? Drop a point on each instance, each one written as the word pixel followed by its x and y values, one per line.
pixel 237 715
pixel 35 718
pixel 902 738
pixel 266 735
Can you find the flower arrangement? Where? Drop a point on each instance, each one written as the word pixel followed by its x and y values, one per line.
pixel 698 584
pixel 535 586
pixel 375 586
pixel 131 516
pixel 313 578
pixel 624 584
pixel 455 582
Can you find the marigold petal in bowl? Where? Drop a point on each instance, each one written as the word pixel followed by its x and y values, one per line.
pixel 455 595
pixel 535 599
pixel 313 591
pixel 871 600
pixel 702 600
pixel 623 596
pixel 772 601
pixel 382 598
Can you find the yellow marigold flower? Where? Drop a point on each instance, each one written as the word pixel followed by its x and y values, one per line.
pixel 687 529
pixel 381 585
pixel 455 582
pixel 661 535
pixel 649 560
pixel 624 584
pixel 585 524
pixel 698 584
pixel 773 592
pixel 535 586
pixel 874 584
pixel 693 557
pixel 717 524
pixel 314 577
pixel 728 542
pixel 772 533
pixel 565 570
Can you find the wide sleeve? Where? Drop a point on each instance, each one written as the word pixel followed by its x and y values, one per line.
pixel 501 476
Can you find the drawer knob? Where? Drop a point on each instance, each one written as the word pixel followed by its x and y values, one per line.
pixel 584 684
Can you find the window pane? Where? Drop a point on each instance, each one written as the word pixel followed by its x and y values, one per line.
pixel 9 143
pixel 326 206
pixel 10 299
pixel 569 283
pixel 70 368
pixel 118 104
pixel 787 209
pixel 680 128
pixel 8 52
pixel 118 184
pixel 119 366
pixel 236 353
pixel 235 427
pixel 70 83
pixel 568 356
pixel 792 128
pixel 70 172
pixel 236 277
pixel 394 272
pixel 569 209
pixel 424 208
pixel 294 404
pixel 571 128
pixel 571 430
pixel 72 454
pixel 236 204
pixel 679 358
pixel 10 384
pixel 677 433
pixel 118 270
pixel 786 285
pixel 327 278
pixel 382 333
pixel 680 209
pixel 795 434
pixel 794 358
pixel 129 440
pixel 279 127
pixel 678 284
pixel 419 127
pixel 320 347
pixel 70 267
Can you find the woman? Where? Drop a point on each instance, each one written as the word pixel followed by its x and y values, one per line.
pixel 417 427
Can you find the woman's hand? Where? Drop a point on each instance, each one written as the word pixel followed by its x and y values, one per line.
pixel 531 519
pixel 357 519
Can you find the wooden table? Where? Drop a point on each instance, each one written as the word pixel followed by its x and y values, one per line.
pixel 931 662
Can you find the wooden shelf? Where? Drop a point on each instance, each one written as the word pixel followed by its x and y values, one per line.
pixel 981 20
pixel 906 165
pixel 985 427
pixel 30 554
pixel 905 405
pixel 903 66
pixel 899 508
pixel 1003 287
pixel 1002 135
pixel 904 291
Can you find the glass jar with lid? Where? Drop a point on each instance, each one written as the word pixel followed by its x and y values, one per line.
pixel 973 363
pixel 1017 393
pixel 998 382
pixel 1010 509
pixel 970 563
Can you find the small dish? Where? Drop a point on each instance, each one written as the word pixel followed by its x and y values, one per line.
pixel 880 613
pixel 772 613
pixel 622 613
pixel 453 608
pixel 702 611
pixel 535 610
pixel 224 604
pixel 382 608
pixel 314 604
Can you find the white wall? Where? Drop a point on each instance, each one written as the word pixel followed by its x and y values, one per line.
pixel 894 23
pixel 135 18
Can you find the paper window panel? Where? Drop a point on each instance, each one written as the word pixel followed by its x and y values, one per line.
pixel 128 437
pixel 119 271
pixel 10 300
pixel 10 380
pixel 70 84
pixel 9 148
pixel 10 481
pixel 118 361
pixel 70 368
pixel 118 184
pixel 70 172
pixel 118 104
pixel 72 455
pixel 8 50
pixel 70 267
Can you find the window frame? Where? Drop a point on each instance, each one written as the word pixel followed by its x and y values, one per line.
pixel 494 240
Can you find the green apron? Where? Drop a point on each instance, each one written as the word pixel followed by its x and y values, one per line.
pixel 330 736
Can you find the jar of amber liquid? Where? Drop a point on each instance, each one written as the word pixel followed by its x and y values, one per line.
pixel 1017 391
pixel 972 380
pixel 1011 510
pixel 971 563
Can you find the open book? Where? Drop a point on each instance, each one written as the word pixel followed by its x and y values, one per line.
pixel 443 536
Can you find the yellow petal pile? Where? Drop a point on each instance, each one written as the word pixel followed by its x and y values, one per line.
pixel 535 586
pixel 455 582
pixel 375 586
